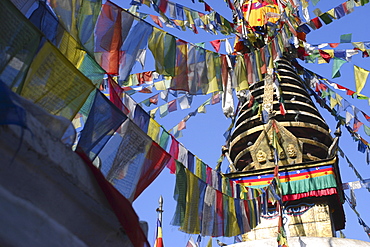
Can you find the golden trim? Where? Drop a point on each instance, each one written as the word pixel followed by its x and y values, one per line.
pixel 303 165
pixel 284 124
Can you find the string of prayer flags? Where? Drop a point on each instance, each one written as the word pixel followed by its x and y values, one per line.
pixel 181 17
pixel 352 204
pixel 327 17
pixel 196 208
pixel 363 145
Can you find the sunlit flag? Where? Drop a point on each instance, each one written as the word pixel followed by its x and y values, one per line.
pixel 159 240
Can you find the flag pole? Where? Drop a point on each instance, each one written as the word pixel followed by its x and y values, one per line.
pixel 160 208
pixel 159 240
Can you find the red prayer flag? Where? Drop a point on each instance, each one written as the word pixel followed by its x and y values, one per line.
pixel 350 92
pixel 357 124
pixel 181 125
pixel 109 37
pixel 216 44
pixel 174 152
pixel 145 90
pixel 154 99
pixel 334 45
pixel 156 20
pixel 366 116
pixel 172 106
pixel 282 109
pixel 325 55
pixel 115 95
pixel 163 5
pixel 316 21
pixel 207 7
pixel 155 161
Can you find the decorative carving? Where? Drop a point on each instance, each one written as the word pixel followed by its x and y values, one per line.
pixel 271 156
pixel 261 156
pixel 292 153
pixel 282 155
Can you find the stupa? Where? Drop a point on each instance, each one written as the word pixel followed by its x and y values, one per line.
pixel 293 137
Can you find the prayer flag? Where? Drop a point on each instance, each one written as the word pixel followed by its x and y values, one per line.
pixel 336 67
pixel 109 36
pixel 339 11
pixel 191 243
pixel 316 22
pixel 216 44
pixel 46 72
pixel 163 110
pixel 156 20
pixel 326 56
pixel 346 38
pixel 163 47
pixel 209 244
pixel 135 42
pixel 103 120
pixel 180 81
pixel 360 78
pixel 172 105
pixel 159 240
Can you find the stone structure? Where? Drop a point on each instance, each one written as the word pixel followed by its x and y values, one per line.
pixel 48 195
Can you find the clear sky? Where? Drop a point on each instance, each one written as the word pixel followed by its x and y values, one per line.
pixel 203 135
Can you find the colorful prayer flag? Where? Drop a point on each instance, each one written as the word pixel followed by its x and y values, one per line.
pixel 159 239
pixel 360 78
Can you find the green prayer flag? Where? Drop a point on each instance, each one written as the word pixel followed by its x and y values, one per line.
pixel 325 17
pixel 336 66
pixel 163 141
pixel 163 48
pixel 163 110
pixel 346 38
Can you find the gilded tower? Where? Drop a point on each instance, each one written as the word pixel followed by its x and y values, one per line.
pixel 278 125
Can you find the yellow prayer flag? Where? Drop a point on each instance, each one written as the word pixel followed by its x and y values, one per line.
pixel 359 45
pixel 211 73
pixel 188 16
pixel 332 13
pixel 241 74
pixel 55 84
pixel 153 130
pixel 153 112
pixel 71 49
pixel 360 78
pixel 330 52
pixel 333 102
pixel 160 85
pixel 339 99
pixel 198 167
pixel 209 242
pixel 320 60
pixel 233 222
pixel 191 223
pixel 202 109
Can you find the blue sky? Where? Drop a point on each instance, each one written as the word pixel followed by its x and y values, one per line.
pixel 203 135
